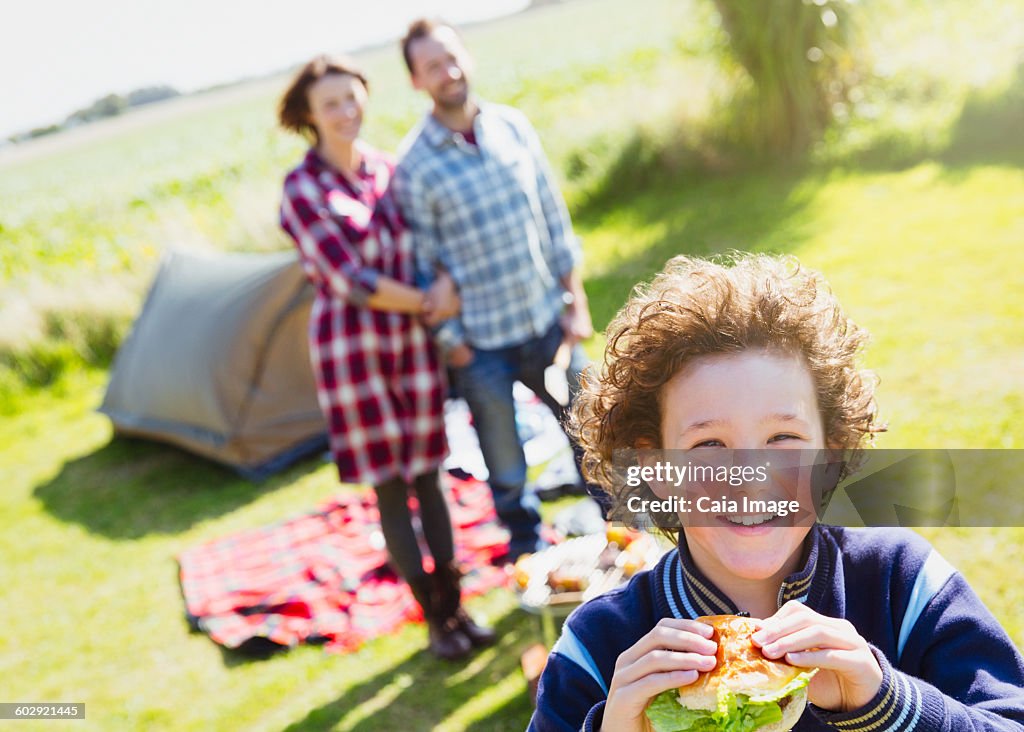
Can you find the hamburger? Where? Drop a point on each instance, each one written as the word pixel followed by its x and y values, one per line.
pixel 743 693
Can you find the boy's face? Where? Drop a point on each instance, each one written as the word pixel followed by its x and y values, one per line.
pixel 751 400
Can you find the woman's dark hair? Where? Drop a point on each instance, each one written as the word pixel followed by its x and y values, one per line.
pixel 293 110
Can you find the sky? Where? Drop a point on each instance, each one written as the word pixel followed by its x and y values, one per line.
pixel 59 56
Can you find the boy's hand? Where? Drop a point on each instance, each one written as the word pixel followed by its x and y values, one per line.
pixel 669 656
pixel 849 675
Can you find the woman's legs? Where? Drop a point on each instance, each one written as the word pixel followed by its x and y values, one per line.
pixel 437 528
pixel 396 524
pixel 446 638
pixel 434 518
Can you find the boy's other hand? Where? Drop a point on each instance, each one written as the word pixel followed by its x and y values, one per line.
pixel 669 656
pixel 849 675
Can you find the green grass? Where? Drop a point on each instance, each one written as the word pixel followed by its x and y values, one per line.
pixel 89 540
pixel 920 241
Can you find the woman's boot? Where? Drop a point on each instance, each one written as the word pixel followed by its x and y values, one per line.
pixel 447 640
pixel 447 579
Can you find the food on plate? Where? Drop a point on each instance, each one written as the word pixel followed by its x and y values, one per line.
pixel 567 579
pixel 521 572
pixel 620 535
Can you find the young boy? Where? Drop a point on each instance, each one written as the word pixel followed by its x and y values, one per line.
pixel 758 355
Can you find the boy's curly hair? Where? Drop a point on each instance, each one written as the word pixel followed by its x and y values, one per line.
pixel 698 307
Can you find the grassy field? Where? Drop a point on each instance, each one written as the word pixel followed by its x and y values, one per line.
pixel 913 211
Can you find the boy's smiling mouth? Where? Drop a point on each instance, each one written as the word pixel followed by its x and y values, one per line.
pixel 749 524
pixel 748 519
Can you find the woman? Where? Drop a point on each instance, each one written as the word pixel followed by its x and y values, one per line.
pixel 380 382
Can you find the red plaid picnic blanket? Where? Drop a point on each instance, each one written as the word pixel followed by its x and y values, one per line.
pixel 323 577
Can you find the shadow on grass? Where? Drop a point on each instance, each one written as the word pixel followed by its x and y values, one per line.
pixel 988 130
pixel 132 488
pixel 692 212
pixel 423 691
pixel 252 652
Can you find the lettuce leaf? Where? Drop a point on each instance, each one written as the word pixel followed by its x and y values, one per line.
pixel 668 715
pixel 798 683
pixel 735 712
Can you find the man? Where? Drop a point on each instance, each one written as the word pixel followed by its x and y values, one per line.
pixel 480 198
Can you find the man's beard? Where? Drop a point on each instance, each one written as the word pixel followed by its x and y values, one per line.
pixel 453 102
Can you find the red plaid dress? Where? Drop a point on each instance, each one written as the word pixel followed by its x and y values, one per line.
pixel 380 382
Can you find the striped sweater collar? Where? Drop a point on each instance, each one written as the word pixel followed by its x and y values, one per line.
pixel 685 592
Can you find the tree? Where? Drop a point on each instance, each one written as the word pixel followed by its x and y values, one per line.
pixel 109 106
pixel 150 94
pixel 797 64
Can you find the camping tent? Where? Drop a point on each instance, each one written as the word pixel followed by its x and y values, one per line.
pixel 218 363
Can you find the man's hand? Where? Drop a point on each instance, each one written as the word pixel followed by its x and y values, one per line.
pixel 849 675
pixel 441 301
pixel 459 356
pixel 576 323
pixel 670 656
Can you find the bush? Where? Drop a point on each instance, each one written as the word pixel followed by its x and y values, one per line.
pixel 73 340
pixel 797 66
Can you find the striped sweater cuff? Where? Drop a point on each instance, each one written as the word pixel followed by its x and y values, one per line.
pixel 595 718
pixel 900 705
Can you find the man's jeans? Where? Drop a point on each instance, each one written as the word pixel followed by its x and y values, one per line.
pixel 486 385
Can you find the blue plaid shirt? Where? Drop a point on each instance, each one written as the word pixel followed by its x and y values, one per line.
pixel 491 215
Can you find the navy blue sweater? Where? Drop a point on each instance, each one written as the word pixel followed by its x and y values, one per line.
pixel 947 665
